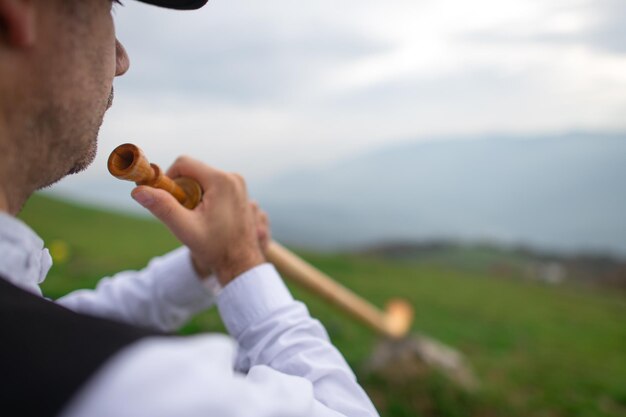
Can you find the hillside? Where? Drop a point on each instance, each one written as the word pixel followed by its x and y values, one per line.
pixel 538 350
pixel 560 193
pixel 517 262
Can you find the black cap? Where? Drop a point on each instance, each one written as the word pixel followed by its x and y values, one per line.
pixel 178 4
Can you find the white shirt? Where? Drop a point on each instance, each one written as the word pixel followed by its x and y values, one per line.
pixel 279 361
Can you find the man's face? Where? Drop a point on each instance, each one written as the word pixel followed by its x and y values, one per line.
pixel 79 61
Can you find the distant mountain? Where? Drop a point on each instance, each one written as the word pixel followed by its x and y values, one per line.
pixel 565 193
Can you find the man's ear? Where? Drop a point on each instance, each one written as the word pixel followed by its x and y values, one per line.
pixel 17 23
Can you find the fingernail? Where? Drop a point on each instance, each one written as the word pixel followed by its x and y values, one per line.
pixel 143 198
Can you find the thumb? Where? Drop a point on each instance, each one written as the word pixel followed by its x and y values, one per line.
pixel 161 204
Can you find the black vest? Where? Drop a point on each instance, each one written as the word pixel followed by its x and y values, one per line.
pixel 48 352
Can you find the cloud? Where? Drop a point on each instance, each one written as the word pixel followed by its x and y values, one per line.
pixel 248 60
pixel 594 24
pixel 264 87
pixel 609 32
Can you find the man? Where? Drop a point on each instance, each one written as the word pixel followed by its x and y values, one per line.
pixel 103 352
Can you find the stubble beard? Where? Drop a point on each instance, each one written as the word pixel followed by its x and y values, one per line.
pixel 75 144
pixel 87 155
pixel 111 97
pixel 90 153
pixel 87 158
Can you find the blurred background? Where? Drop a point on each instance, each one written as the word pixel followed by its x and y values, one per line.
pixel 469 156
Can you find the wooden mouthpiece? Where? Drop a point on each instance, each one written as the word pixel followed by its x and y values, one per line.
pixel 128 162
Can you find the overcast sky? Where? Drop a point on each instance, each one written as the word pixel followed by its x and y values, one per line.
pixel 261 87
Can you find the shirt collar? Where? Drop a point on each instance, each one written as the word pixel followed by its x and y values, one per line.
pixel 24 261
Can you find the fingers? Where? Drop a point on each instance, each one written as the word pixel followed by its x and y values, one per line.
pixel 162 205
pixel 265 235
pixel 262 225
pixel 265 222
pixel 185 166
pixel 182 166
pixel 211 180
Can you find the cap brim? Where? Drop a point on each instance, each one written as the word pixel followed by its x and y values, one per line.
pixel 177 4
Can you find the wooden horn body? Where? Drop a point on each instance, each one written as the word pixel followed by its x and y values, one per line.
pixel 394 322
pixel 128 162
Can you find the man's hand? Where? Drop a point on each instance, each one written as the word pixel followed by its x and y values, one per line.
pixel 225 232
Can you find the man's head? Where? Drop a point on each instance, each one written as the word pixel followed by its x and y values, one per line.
pixel 58 59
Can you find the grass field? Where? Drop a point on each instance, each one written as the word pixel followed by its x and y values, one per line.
pixel 538 350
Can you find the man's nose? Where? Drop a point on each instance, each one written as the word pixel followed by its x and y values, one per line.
pixel 122 62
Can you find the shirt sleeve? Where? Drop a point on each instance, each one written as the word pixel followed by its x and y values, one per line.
pixel 284 365
pixel 276 333
pixel 163 296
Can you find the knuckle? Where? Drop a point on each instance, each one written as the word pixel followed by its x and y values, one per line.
pixel 182 160
pixel 239 178
pixel 221 178
pixel 232 182
pixel 237 181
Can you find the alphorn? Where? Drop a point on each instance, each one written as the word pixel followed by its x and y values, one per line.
pixel 128 162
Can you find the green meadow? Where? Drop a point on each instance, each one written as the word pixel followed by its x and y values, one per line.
pixel 537 350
